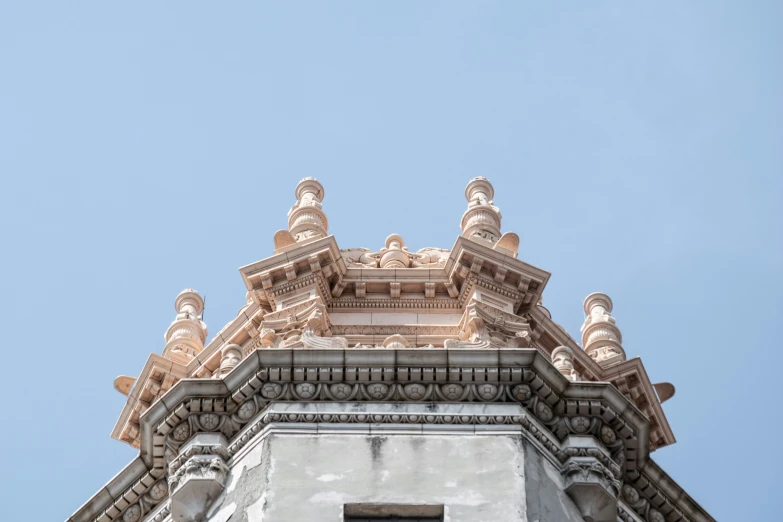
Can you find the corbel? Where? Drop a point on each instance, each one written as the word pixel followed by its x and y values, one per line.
pixel 315 265
pixel 337 289
pixel 290 271
pixel 524 283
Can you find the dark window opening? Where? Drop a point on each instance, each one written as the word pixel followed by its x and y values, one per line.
pixel 392 512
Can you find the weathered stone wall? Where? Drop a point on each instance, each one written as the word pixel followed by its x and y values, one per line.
pixel 292 477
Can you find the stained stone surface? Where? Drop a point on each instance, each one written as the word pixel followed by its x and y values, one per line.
pixel 311 477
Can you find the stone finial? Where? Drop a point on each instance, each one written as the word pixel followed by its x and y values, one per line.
pixel 306 219
pixel 395 255
pixel 230 356
pixel 186 335
pixel 395 341
pixel 601 338
pixel 563 360
pixel 481 222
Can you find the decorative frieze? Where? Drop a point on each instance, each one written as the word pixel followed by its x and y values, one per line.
pixel 386 330
pixel 399 303
pixel 551 419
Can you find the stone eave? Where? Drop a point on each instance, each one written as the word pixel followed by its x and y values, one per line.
pixel 536 276
pixel 505 260
pixel 252 273
pixel 636 365
pixel 112 490
pixel 658 478
pixel 153 361
pixel 468 261
pixel 361 357
pixel 594 371
pixel 377 282
pixel 605 391
pixel 237 385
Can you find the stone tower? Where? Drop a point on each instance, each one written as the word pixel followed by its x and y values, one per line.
pixel 383 384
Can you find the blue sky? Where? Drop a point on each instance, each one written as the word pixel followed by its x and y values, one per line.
pixel 150 147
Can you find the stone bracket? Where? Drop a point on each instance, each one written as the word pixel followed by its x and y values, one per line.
pixel 198 476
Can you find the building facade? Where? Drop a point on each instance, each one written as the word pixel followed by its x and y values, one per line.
pixel 361 385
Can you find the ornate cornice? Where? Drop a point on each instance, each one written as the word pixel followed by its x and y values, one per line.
pixel 555 409
pixel 374 304
pixel 156 378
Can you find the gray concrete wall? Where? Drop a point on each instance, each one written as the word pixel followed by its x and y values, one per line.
pixel 297 477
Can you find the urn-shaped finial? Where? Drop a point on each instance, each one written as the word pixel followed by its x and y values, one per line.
pixel 481 222
pixel 395 255
pixel 601 338
pixel 306 219
pixel 186 335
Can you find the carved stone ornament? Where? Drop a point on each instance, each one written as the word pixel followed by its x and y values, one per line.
pixel 592 478
pixel 312 330
pixel 587 437
pixel 484 326
pixel 591 414
pixel 563 360
pixel 395 255
pixel 231 356
pixel 146 503
pixel 395 341
pixel 198 476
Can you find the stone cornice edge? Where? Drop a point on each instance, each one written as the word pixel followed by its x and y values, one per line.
pixel 571 395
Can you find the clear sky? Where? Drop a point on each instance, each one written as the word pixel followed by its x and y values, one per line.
pixel 147 147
